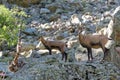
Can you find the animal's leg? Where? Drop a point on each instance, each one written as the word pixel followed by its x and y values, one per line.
pixel 49 51
pixel 62 56
pixel 88 49
pixel 105 53
pixel 62 52
pixel 65 56
pixel 91 56
pixel 103 48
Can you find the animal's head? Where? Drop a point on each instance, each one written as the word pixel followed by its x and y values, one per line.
pixel 13 68
pixel 81 30
pixel 40 38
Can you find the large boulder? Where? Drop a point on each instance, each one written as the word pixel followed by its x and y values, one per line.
pixel 115 56
pixel 117 25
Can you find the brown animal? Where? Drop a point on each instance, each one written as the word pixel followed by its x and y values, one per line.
pixel 61 46
pixel 90 41
pixel 16 63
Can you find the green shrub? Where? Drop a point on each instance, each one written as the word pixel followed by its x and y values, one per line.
pixel 10 21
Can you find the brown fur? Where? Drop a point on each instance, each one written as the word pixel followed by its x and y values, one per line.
pixel 61 46
pixel 93 41
pixel 14 64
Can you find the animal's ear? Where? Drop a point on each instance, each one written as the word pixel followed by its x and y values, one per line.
pixel 81 29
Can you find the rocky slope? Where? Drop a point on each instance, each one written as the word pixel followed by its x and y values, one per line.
pixel 54 19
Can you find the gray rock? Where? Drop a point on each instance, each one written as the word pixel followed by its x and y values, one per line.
pixel 34 12
pixel 52 7
pixel 115 35
pixel 31 30
pixel 44 11
pixel 52 69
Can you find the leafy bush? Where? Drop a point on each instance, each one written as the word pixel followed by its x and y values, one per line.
pixel 10 21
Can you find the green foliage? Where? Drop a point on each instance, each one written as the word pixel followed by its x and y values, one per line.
pixel 10 21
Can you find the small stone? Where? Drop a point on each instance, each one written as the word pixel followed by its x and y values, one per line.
pixel 44 11
pixel 1 53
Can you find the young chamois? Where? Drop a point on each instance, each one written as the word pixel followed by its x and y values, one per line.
pixel 59 45
pixel 90 41
pixel 14 64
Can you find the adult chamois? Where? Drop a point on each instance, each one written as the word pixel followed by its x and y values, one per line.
pixel 59 45
pixel 90 41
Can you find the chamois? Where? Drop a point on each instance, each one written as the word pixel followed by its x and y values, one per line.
pixel 90 41
pixel 59 45
pixel 14 64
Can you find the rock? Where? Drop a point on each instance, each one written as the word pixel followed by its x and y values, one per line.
pixel 52 7
pixel 34 54
pixel 116 29
pixel 40 45
pixel 47 70
pixel 72 43
pixel 87 18
pixel 59 11
pixel 63 17
pixel 30 30
pixel 81 57
pixel 26 47
pixel 1 53
pixel 44 11
pixel 111 2
pixel 4 67
pixel 54 17
pixel 77 4
pixel 47 27
pixel 35 12
pixel 116 25
pixel 75 19
pixel 62 35
pixel 59 37
pixel 24 3
pixel 34 23
pixel 118 50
